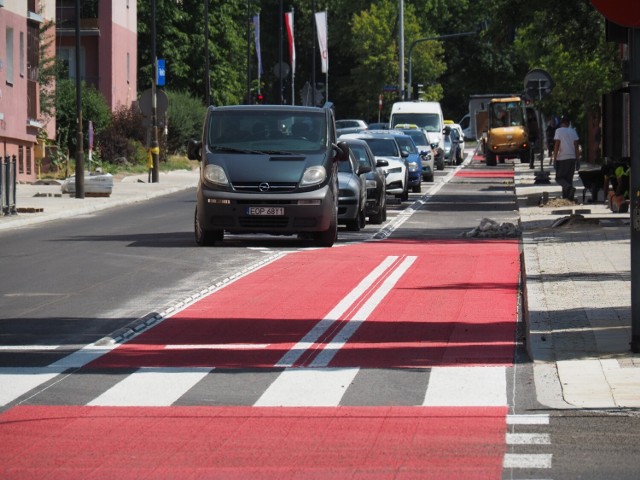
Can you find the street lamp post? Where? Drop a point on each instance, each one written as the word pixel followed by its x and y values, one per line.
pixel 439 37
pixel 155 144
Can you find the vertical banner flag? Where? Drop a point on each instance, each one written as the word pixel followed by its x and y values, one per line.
pixel 256 31
pixel 288 20
pixel 321 27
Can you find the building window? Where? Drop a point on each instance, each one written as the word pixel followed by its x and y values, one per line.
pixel 20 159
pixel 67 57
pixel 28 160
pixel 9 44
pixel 33 50
pixel 21 53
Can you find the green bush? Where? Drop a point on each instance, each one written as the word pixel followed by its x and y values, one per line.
pixel 186 114
pixel 94 108
pixel 121 141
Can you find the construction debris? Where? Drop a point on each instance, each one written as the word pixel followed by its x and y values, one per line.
pixel 491 229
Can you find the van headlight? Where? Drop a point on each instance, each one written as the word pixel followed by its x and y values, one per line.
pixel 215 175
pixel 313 176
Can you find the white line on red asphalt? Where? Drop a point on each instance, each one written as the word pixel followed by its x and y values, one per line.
pixel 392 268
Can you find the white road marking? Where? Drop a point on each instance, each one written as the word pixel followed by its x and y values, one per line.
pixel 528 439
pixel 151 387
pixel 517 460
pixel 467 387
pixel 27 348
pixel 542 419
pixel 308 387
pixel 292 356
pixel 332 347
pixel 219 346
pixel 15 382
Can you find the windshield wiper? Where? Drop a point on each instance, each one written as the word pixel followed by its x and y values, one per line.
pixel 219 148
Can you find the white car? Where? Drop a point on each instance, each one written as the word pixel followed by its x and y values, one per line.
pixel 384 147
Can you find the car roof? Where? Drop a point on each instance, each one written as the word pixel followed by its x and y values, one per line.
pixel 369 134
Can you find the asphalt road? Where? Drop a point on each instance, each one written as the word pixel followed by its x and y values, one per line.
pixel 69 283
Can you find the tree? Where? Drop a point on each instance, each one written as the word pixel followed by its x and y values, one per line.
pixel 568 40
pixel 94 108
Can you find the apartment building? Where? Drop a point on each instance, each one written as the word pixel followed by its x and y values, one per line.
pixel 108 61
pixel 21 24
pixel 108 46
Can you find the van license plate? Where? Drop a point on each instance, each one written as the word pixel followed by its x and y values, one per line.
pixel 265 211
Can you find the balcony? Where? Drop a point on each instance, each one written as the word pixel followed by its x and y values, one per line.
pixel 66 18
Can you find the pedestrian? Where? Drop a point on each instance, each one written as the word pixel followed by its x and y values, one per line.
pixel 550 133
pixel 566 152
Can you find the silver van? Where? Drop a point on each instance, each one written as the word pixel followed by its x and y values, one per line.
pixel 267 169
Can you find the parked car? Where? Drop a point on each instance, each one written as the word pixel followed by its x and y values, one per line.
pixel 352 193
pixel 350 126
pixel 425 150
pixel 379 126
pixel 453 153
pixel 256 176
pixel 376 209
pixel 385 147
pixel 458 128
pixel 408 147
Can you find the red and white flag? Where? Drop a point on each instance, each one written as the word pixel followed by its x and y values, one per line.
pixel 288 19
pixel 321 27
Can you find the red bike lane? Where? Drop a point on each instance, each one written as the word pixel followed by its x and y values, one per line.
pixel 391 304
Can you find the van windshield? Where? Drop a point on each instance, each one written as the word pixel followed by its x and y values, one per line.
pixel 271 130
pixel 429 121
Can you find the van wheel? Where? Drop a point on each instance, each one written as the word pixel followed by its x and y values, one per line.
pixel 329 236
pixel 206 238
pixel 491 159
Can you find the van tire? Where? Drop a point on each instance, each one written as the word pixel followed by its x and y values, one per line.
pixel 491 159
pixel 328 237
pixel 206 238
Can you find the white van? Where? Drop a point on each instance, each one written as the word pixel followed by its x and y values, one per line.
pixel 428 116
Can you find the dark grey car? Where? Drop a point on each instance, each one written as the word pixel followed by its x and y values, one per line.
pixel 376 208
pixel 268 169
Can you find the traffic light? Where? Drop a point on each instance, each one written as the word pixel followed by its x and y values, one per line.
pixel 259 99
pixel 417 89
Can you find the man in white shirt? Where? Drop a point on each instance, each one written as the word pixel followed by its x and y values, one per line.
pixel 566 153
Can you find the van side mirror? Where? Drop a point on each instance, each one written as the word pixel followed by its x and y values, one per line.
pixel 194 148
pixel 342 151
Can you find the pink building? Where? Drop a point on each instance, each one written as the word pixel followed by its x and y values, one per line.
pixel 21 24
pixel 108 46
pixel 108 61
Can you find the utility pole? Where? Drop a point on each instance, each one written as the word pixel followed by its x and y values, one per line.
pixel 207 76
pixel 634 187
pixel 155 145
pixel 79 147
pixel 401 44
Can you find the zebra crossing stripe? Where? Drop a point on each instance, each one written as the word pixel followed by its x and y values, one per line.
pixel 16 381
pixel 528 439
pixel 308 387
pixel 524 460
pixel 151 387
pixel 467 387
pixel 541 419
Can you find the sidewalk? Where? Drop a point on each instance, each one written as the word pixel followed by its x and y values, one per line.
pixel 577 282
pixel 40 203
pixel 578 297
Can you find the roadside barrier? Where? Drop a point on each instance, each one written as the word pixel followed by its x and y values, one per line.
pixel 8 176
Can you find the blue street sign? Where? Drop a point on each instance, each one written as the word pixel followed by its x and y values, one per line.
pixel 161 73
